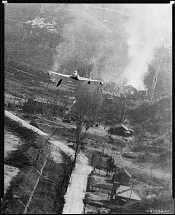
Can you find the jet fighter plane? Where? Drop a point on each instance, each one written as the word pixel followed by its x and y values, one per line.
pixel 74 76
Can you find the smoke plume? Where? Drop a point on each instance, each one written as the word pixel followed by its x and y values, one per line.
pixel 120 40
pixel 148 28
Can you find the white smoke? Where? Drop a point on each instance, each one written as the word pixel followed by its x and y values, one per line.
pixel 89 37
pixel 147 30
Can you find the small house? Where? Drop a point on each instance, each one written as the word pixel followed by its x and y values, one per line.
pixel 129 91
pixel 121 177
pixel 126 195
pixel 104 188
pixel 122 130
pixel 71 145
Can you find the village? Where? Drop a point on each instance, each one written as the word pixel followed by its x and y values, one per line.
pixel 111 185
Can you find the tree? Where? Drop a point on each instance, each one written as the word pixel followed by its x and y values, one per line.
pixel 113 110
pixel 87 104
pixel 110 165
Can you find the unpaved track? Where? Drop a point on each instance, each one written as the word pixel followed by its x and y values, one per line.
pixel 78 180
pixel 77 188
pixel 141 168
pixel 145 168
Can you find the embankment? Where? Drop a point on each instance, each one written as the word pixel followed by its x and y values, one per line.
pixel 41 183
pixel 53 178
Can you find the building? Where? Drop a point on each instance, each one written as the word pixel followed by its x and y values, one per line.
pixel 71 145
pixel 129 91
pixel 126 195
pixel 121 130
pixel 121 176
pixel 104 188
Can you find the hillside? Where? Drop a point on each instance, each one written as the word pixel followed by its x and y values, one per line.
pixel 52 37
pixel 152 125
pixel 95 40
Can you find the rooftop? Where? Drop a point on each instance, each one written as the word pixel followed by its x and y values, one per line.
pixel 122 170
pixel 104 186
pixel 127 172
pixel 127 192
pixel 121 125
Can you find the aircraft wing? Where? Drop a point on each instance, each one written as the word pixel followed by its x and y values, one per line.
pixel 60 74
pixel 90 80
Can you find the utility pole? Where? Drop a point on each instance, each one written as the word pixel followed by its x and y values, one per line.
pixel 123 112
pixel 41 9
pixel 156 75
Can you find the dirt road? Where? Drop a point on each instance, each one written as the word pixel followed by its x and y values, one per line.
pixel 140 168
pixel 143 168
pixel 77 187
pixel 78 180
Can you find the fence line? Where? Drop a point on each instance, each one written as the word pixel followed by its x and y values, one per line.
pixel 31 195
pixel 22 192
pixel 41 155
